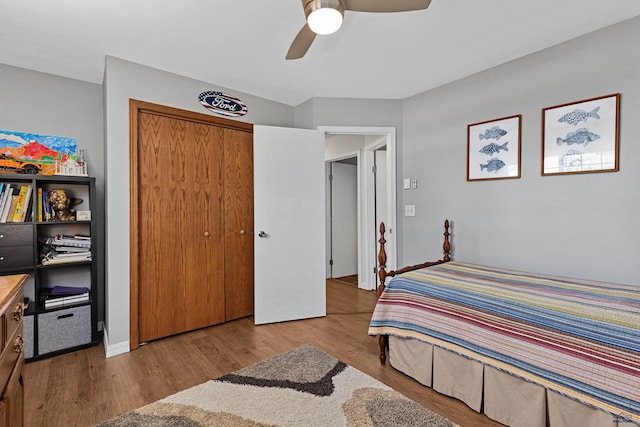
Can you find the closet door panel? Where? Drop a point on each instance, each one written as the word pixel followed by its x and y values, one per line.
pixel 204 278
pixel 181 259
pixel 162 201
pixel 238 213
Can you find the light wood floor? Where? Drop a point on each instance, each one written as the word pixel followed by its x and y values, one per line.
pixel 84 388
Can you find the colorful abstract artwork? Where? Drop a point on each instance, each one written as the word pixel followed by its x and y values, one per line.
pixel 31 153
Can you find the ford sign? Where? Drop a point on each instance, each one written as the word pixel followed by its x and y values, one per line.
pixel 224 104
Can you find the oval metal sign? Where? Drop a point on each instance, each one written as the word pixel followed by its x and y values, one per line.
pixel 224 104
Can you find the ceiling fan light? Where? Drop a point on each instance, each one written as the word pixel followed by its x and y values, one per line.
pixel 325 20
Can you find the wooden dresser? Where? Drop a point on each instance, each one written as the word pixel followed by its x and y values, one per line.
pixel 12 347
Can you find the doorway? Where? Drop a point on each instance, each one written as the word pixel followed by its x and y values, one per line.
pixel 342 218
pixel 380 195
pixel 375 152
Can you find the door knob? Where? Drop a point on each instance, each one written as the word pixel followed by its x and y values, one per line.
pixel 242 232
pixel 206 234
pixel 263 234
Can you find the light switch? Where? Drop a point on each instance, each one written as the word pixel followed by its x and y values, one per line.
pixel 407 184
pixel 409 210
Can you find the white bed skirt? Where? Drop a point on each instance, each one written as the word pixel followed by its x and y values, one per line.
pixel 502 397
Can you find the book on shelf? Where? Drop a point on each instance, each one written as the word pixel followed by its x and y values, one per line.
pixel 3 194
pixel 65 249
pixel 56 250
pixel 63 295
pixel 39 211
pixel 72 254
pixel 20 204
pixel 6 195
pixel 66 240
pixel 61 258
pixel 26 205
pixel 45 206
pixel 57 302
pixel 8 215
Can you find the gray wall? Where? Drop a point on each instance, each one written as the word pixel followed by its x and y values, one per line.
pixel 123 81
pixel 583 225
pixel 51 105
pixel 349 112
pixel 358 112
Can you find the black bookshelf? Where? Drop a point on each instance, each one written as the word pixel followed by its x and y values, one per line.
pixel 50 331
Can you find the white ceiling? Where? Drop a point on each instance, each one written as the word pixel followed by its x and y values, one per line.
pixel 241 44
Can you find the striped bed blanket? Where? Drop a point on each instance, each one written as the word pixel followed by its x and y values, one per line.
pixel 579 338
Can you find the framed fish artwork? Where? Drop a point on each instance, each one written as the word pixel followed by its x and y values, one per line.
pixel 581 137
pixel 493 149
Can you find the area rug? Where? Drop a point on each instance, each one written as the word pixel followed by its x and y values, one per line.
pixel 302 387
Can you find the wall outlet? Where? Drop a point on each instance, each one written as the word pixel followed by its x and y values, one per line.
pixel 409 210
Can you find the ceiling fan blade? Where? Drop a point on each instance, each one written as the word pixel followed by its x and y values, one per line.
pixel 386 5
pixel 301 43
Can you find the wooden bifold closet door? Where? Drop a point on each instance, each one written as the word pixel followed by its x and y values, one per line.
pixel 193 219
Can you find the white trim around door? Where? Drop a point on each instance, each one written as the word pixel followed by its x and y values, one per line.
pixel 367 228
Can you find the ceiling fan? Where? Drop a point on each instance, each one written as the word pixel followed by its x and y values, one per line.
pixel 325 17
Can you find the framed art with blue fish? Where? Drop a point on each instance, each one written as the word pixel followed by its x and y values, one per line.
pixel 581 137
pixel 493 149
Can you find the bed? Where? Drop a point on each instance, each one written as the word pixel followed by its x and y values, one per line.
pixel 525 349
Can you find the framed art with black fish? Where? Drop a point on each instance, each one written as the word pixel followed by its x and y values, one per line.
pixel 581 137
pixel 493 149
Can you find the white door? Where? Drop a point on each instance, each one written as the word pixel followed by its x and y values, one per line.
pixel 289 223
pixel 344 219
pixel 381 207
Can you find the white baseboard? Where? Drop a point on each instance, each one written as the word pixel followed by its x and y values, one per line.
pixel 114 349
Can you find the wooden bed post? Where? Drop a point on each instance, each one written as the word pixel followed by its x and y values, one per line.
pixel 446 246
pixel 382 260
pixel 383 340
pixel 382 257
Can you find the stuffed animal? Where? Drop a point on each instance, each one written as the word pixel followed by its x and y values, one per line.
pixel 62 205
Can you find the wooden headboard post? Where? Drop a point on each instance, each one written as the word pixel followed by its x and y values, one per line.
pixel 383 274
pixel 382 260
pixel 382 257
pixel 446 246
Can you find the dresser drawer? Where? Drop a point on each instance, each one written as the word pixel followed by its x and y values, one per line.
pixel 15 235
pixel 16 256
pixel 12 356
pixel 12 318
pixel 12 352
